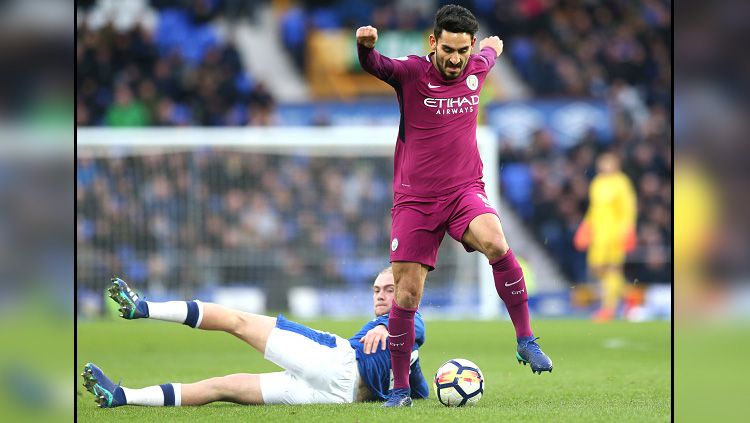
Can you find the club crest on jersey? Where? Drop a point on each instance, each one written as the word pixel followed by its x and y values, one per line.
pixel 394 244
pixel 472 82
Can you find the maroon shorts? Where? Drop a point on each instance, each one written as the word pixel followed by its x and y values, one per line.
pixel 419 223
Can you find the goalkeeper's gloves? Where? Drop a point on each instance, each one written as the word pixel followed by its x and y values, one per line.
pixel 630 240
pixel 582 238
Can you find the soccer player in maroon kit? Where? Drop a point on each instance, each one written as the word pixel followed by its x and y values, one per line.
pixel 437 184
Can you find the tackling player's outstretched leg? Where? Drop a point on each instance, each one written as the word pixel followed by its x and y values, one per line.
pixel 320 367
pixel 196 314
pixel 131 305
pixel 240 388
pixel 106 393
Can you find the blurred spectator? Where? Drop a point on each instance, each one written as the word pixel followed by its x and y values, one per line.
pixel 177 73
pixel 616 51
pixel 575 47
pixel 169 221
pixel 557 199
pixel 560 48
pixel 294 34
pixel 126 111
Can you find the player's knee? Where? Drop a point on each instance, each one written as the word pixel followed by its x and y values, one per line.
pixel 409 282
pixel 215 388
pixel 408 292
pixel 495 247
pixel 225 388
pixel 408 298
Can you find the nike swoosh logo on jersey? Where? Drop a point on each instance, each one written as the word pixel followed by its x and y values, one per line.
pixel 509 284
pixel 396 336
pixel 429 85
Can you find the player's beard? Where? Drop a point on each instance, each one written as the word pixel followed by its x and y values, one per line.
pixel 443 66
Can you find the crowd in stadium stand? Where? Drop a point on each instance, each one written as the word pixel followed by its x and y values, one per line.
pixel 580 48
pixel 173 218
pixel 548 186
pixel 617 51
pixel 179 74
pixel 565 47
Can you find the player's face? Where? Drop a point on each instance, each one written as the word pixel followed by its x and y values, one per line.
pixel 452 50
pixel 607 164
pixel 383 291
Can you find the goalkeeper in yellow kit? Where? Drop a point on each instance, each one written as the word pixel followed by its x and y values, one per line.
pixel 608 231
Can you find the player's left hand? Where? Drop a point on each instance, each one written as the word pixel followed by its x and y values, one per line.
pixel 582 237
pixel 374 338
pixel 495 42
pixel 630 241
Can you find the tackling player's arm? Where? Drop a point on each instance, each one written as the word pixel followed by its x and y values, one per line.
pixel 382 67
pixel 582 237
pixel 377 336
pixel 417 381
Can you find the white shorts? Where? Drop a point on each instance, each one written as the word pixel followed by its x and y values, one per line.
pixel 321 368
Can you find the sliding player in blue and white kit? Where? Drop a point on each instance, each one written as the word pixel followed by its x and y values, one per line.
pixel 320 368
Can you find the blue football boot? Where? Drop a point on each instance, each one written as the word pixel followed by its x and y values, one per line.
pixel 528 351
pixel 131 306
pixel 400 397
pixel 107 394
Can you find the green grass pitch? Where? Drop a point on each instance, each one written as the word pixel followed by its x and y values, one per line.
pixel 611 372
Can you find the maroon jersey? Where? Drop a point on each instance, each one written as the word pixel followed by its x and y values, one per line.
pixel 436 150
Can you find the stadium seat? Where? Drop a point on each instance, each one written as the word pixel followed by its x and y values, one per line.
pixel 518 187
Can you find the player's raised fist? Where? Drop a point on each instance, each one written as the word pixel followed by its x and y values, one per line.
pixel 367 36
pixel 495 42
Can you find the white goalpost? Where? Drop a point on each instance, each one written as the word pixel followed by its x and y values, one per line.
pixel 145 152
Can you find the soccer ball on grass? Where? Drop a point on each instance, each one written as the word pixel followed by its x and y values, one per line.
pixel 459 383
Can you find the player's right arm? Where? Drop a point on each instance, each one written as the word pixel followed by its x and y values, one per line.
pixel 419 330
pixel 377 336
pixel 382 67
pixel 417 382
pixel 582 237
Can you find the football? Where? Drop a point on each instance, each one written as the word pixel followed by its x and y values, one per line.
pixel 459 383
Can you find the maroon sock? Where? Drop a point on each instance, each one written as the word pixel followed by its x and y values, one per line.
pixel 400 342
pixel 511 288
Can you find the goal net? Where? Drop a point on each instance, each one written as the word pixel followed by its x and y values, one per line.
pixel 263 219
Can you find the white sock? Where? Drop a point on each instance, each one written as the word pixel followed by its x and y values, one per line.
pixel 150 396
pixel 171 311
pixel 177 394
pixel 187 312
pixel 154 396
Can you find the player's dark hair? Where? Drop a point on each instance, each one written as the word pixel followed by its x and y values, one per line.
pixel 454 18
